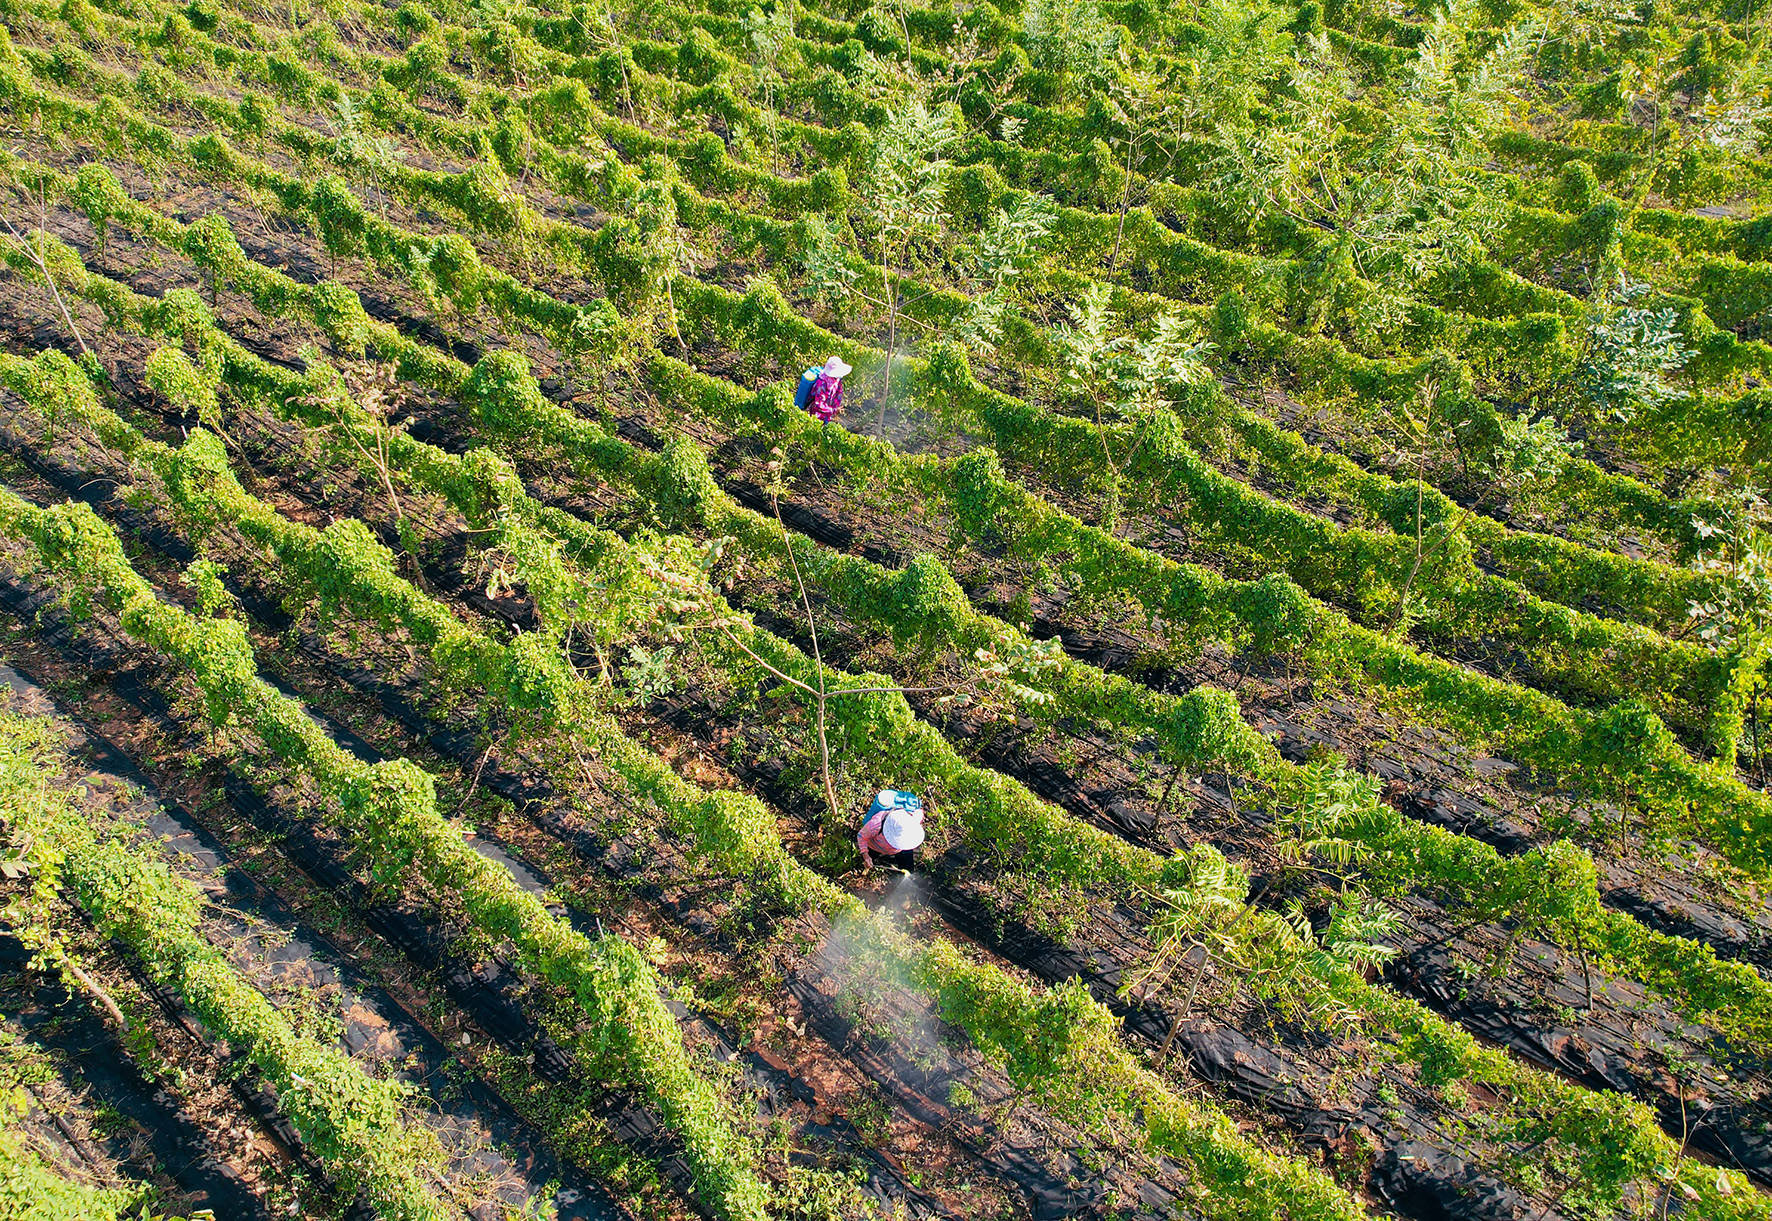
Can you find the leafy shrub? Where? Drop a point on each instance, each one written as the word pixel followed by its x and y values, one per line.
pixel 1631 347
pixel 681 487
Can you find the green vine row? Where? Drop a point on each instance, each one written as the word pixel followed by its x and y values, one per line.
pixel 390 808
pixel 1423 1032
pixel 355 1125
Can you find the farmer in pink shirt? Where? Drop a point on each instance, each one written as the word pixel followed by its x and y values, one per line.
pixel 893 830
pixel 821 389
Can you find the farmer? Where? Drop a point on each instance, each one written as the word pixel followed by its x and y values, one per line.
pixel 893 830
pixel 821 389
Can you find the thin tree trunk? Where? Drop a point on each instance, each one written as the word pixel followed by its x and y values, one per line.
pixel 1168 788
pixel 40 258
pixel 824 748
pixel 824 755
pixel 1186 1006
pixel 1753 713
pixel 1403 597
pixel 1587 976
pixel 1409 582
pixel 671 299
pixel 1125 206
pixel 891 351
pixel 1685 1137
pixel 92 986
pixel 1110 506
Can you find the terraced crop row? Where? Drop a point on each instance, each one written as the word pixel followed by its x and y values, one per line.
pixel 1337 808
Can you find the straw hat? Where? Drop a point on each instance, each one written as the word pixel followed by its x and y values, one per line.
pixel 903 832
pixel 836 367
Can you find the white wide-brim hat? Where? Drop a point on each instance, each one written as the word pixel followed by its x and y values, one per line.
pixel 836 367
pixel 902 832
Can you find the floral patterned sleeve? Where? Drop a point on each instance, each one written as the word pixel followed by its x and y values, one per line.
pixel 872 837
pixel 827 398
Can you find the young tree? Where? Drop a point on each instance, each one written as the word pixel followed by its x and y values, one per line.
pixel 1393 204
pixel 1689 104
pixel 1212 918
pixel 97 193
pixel 978 79
pixel 189 386
pixel 767 36
pixel 646 236
pixel 1223 79
pixel 998 681
pixel 1529 453
pixel 1072 40
pixel 829 274
pixel 1123 373
pixel 366 400
pixel 907 185
pixel 43 255
pixel 1629 349
pixel 1419 425
pixel 1005 249
pixel 1734 548
pixel 1145 104
pixel 365 154
pixel 987 269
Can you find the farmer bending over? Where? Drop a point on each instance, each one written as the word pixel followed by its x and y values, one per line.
pixel 821 389
pixel 893 830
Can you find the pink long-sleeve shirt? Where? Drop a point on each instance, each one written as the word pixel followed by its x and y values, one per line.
pixel 827 398
pixel 872 837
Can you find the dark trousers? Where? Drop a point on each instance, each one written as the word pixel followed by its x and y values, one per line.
pixel 906 860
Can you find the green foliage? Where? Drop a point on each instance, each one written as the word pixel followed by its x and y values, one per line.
pixel 32 1191
pixel 209 580
pixel 1205 721
pixel 97 193
pixel 700 58
pixel 683 488
pixel 1072 40
pixel 1578 188
pixel 1210 910
pixel 187 387
pixel 502 51
pixel 829 275
pixel 907 182
pixel 1336 815
pixel 1631 347
pixel 501 391
pixel 1529 452
pixel 1394 242
pixel 927 604
pixel 1279 615
pixel 357 1126
pixel 413 21
pixel 390 806
pixel 1733 549
pixel 981 499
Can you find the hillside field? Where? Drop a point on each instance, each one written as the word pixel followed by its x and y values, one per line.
pixel 1296 515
